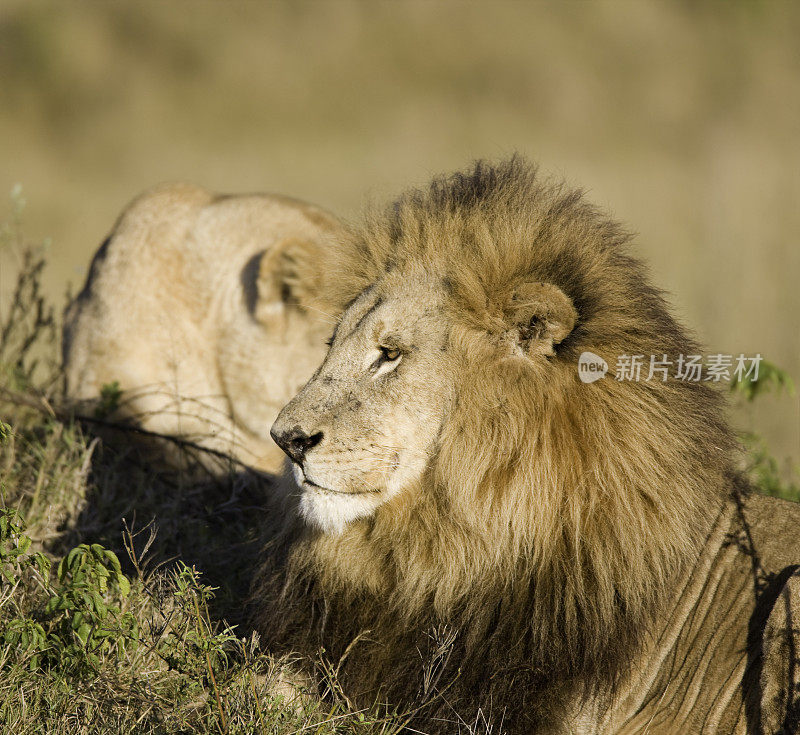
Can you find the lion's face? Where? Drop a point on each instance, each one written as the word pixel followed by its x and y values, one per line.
pixel 364 428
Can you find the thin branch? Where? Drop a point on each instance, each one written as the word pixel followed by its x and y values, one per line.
pixel 45 408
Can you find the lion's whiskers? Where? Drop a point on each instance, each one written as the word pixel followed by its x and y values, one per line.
pixel 332 319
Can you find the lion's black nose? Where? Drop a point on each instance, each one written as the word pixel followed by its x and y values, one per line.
pixel 295 442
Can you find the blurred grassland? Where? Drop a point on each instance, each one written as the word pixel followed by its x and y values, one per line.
pixel 682 118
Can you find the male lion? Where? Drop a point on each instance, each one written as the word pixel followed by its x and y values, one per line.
pixel 487 537
pixel 204 310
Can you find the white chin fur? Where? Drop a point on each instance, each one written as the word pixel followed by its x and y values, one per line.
pixel 331 512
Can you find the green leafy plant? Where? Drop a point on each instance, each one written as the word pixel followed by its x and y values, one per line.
pixel 15 556
pixel 761 465
pixel 80 619
pixel 22 635
pixel 765 471
pixel 84 619
pixel 770 379
pixel 110 395
pixel 196 645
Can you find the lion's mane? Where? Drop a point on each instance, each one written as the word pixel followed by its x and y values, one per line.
pixel 556 515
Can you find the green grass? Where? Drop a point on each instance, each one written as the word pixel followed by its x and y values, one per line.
pixel 113 623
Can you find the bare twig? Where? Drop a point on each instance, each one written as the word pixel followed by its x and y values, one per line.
pixel 44 407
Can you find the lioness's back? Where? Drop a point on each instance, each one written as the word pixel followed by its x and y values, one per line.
pixel 187 306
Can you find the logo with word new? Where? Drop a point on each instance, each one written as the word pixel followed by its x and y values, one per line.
pixel 591 367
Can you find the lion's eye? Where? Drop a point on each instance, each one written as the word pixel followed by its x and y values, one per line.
pixel 390 353
pixel 388 359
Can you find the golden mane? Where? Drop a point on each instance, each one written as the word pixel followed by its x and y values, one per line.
pixel 555 513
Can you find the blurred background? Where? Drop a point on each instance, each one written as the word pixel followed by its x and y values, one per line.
pixel 682 118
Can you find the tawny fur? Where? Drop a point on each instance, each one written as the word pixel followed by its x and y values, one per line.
pixel 538 557
pixel 204 309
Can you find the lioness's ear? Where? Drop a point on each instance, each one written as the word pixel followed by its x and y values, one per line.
pixel 279 283
pixel 541 315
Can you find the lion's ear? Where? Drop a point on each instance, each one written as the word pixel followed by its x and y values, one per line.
pixel 541 315
pixel 278 281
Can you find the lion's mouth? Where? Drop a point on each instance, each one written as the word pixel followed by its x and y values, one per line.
pixel 306 483
pixel 313 485
pixel 309 483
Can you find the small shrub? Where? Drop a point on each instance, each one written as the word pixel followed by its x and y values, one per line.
pixel 771 379
pixel 77 620
pixel 761 466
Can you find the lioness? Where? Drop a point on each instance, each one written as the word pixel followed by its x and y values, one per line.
pixel 205 311
pixel 484 537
